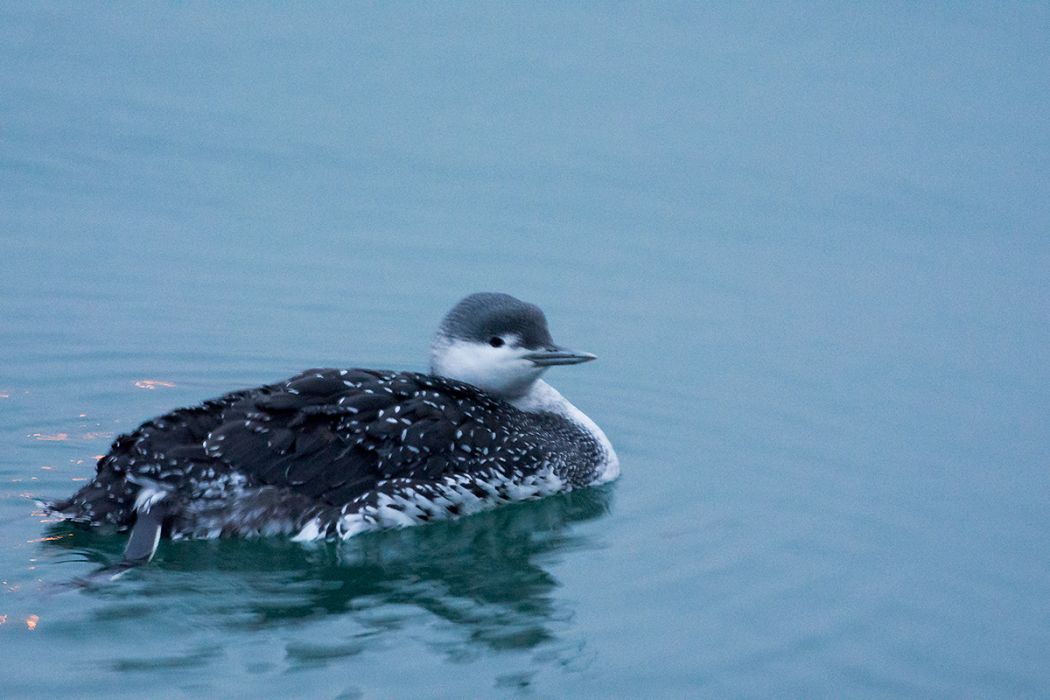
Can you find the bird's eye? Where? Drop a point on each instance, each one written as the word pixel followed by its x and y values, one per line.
pixel 496 342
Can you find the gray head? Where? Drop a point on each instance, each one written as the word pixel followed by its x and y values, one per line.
pixel 498 343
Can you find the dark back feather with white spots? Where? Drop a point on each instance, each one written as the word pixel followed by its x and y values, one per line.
pixel 325 444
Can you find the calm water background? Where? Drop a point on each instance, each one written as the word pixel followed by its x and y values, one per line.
pixel 809 243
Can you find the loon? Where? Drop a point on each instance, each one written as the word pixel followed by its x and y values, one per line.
pixel 330 453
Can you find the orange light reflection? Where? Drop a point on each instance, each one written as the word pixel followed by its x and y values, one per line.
pixel 153 384
pixel 52 437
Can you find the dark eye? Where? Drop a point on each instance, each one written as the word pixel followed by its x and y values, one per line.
pixel 496 342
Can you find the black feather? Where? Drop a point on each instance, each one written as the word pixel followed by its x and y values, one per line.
pixel 324 439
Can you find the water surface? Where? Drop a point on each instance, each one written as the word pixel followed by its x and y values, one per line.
pixel 808 243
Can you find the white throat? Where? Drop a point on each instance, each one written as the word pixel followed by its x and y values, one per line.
pixel 500 371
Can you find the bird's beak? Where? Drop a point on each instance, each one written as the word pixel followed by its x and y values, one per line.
pixel 549 357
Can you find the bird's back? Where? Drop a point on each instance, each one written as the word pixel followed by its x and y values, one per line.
pixel 334 452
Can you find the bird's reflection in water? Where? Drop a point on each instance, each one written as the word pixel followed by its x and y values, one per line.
pixel 484 578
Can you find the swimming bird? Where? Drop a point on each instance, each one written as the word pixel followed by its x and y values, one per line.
pixel 335 452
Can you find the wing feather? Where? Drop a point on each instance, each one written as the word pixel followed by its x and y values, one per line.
pixel 334 434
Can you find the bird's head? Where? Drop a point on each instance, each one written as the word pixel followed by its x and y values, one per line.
pixel 497 343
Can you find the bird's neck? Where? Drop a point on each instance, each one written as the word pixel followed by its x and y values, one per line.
pixel 541 397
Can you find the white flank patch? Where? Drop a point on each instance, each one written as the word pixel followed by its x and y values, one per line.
pixel 310 532
pixel 350 525
pixel 409 506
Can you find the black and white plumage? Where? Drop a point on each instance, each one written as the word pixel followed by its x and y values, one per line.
pixel 334 452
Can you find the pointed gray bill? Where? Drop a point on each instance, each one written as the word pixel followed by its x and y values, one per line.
pixel 558 356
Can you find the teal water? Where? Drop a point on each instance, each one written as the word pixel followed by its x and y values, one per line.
pixel 809 244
